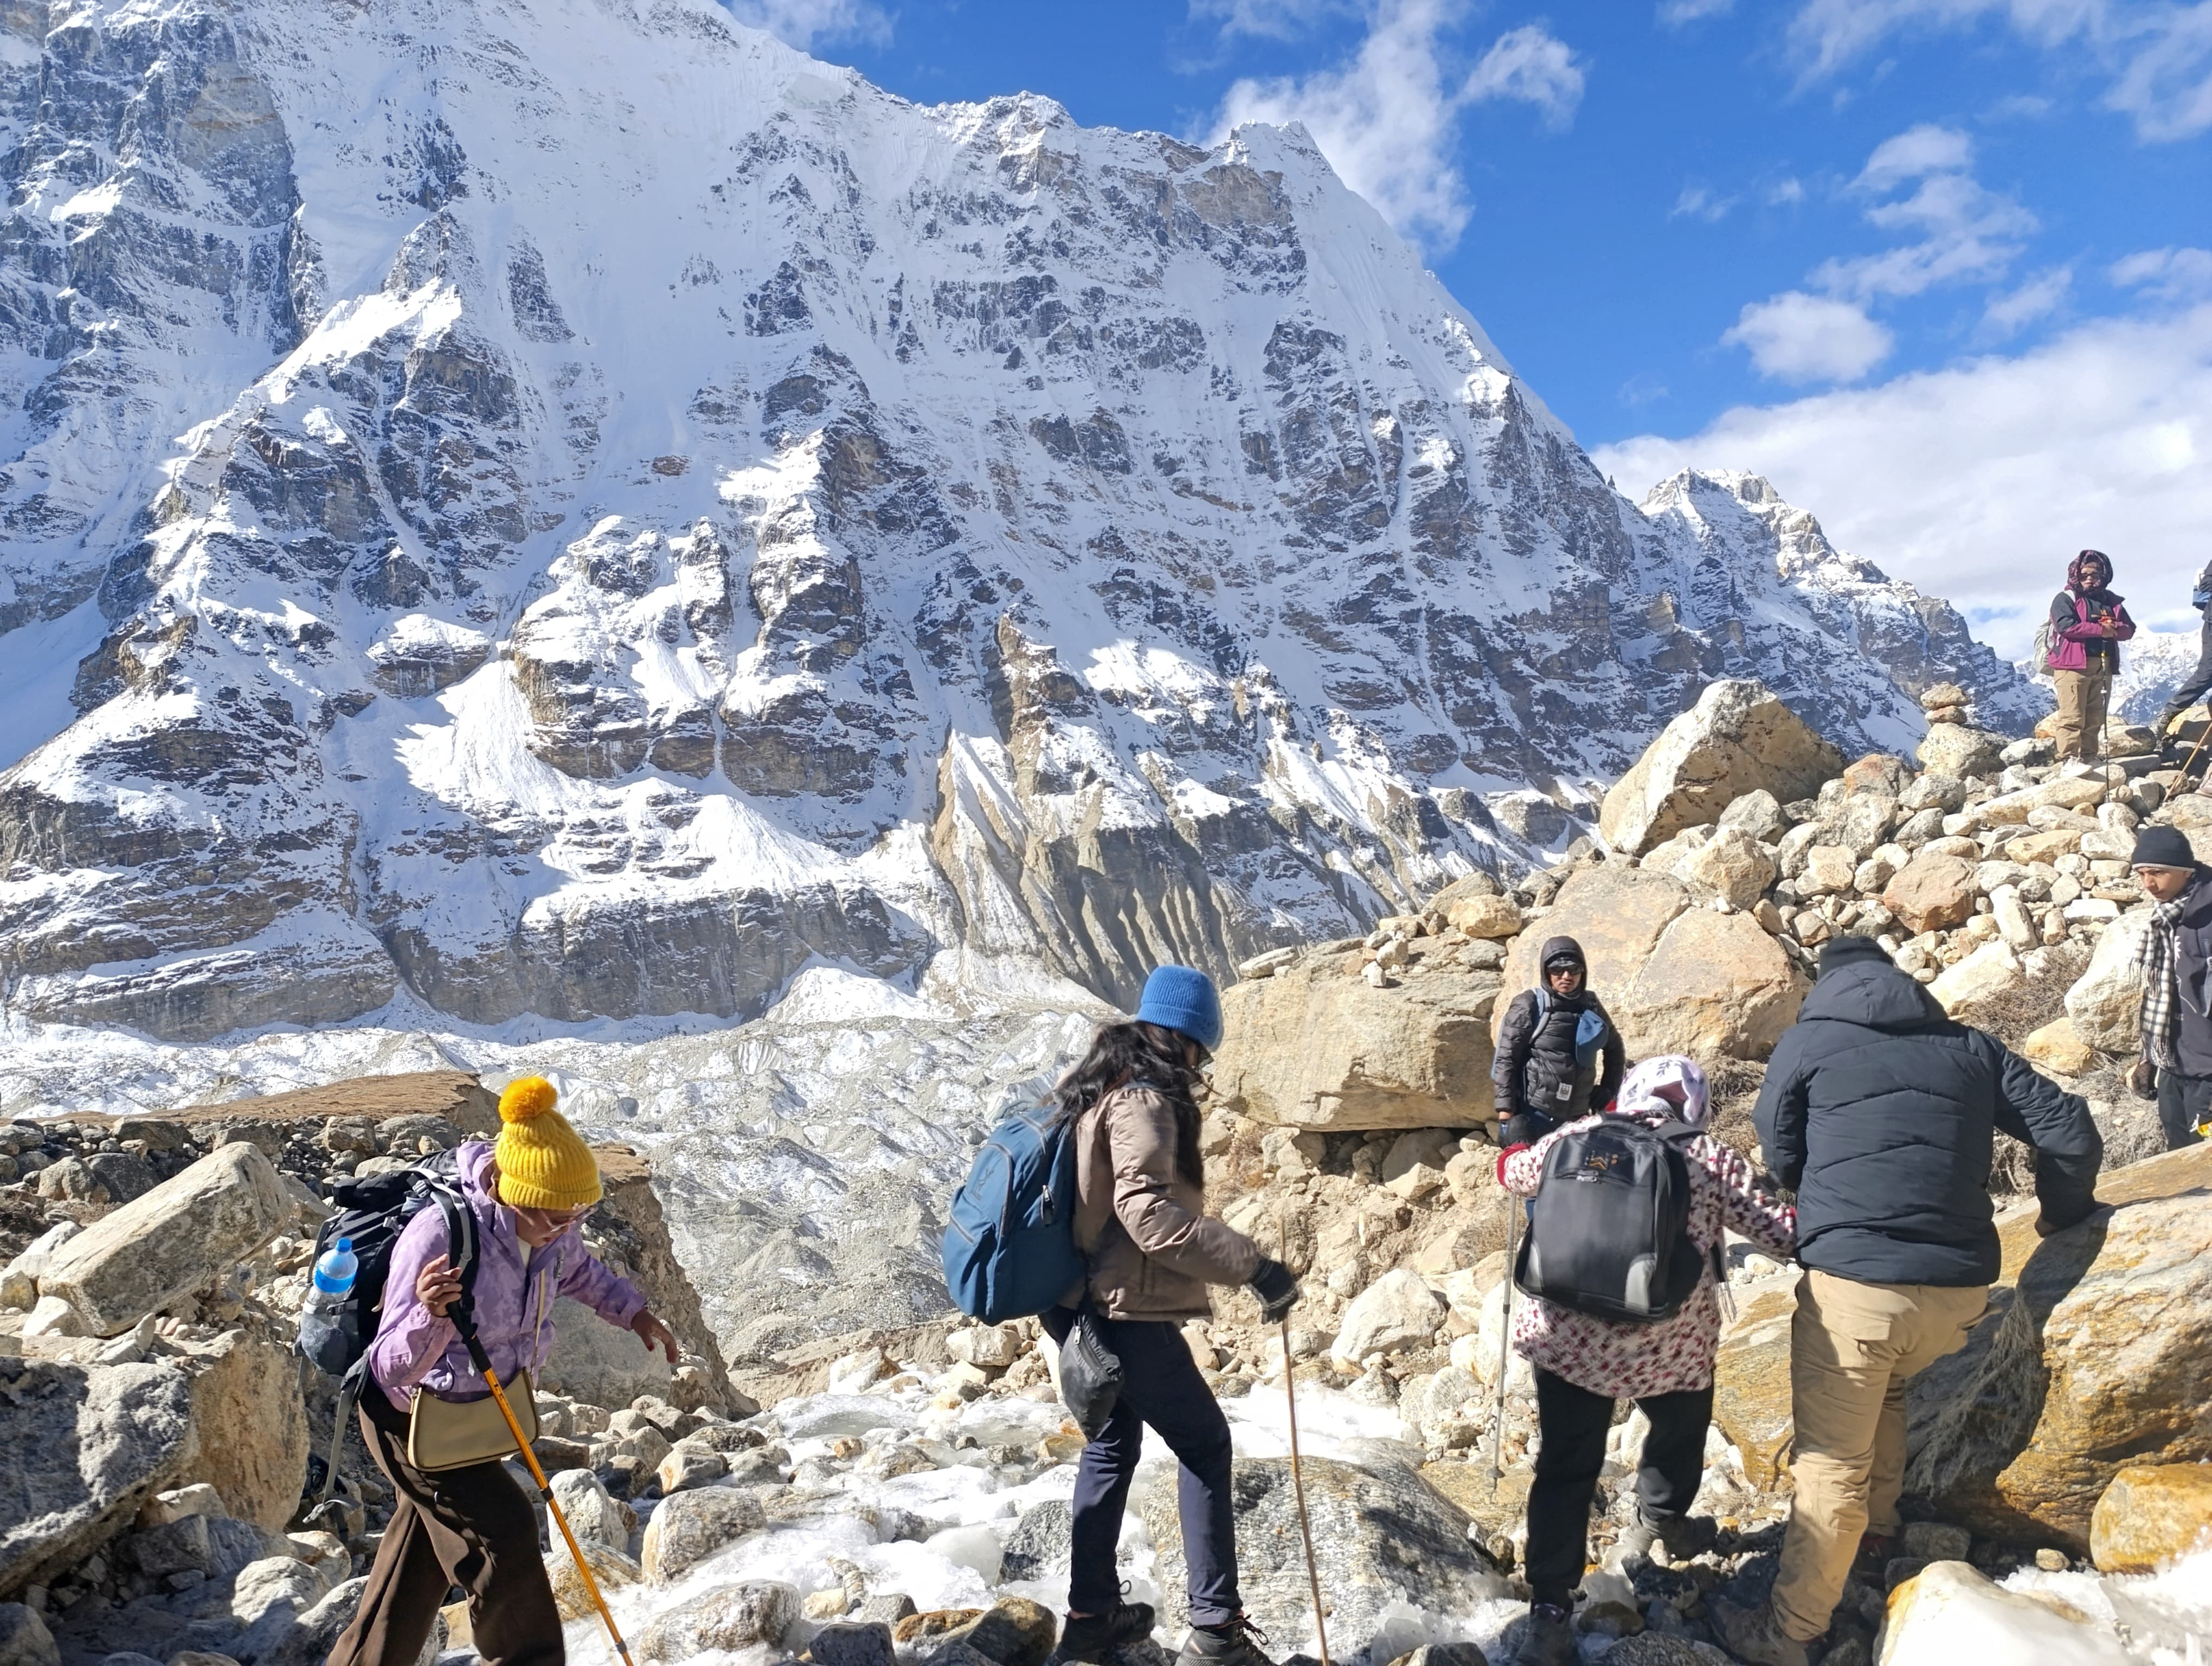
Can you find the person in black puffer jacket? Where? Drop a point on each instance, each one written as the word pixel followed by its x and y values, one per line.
pixel 1550 1069
pixel 1882 1112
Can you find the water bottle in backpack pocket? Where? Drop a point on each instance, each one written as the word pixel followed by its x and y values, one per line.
pixel 1609 1226
pixel 328 1323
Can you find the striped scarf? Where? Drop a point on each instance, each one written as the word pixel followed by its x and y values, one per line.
pixel 2162 1004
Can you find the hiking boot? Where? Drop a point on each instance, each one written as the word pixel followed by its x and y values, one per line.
pixel 1547 1637
pixel 1754 1634
pixel 1229 1644
pixel 1092 1637
pixel 1679 1540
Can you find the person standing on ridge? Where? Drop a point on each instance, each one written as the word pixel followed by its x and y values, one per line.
pixel 1141 1225
pixel 1881 1112
pixel 1585 1364
pixel 528 1193
pixel 1559 1055
pixel 2195 686
pixel 2176 1067
pixel 2088 623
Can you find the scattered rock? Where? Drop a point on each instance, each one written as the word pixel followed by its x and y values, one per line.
pixel 691 1527
pixel 174 1240
pixel 24 1638
pixel 592 1511
pixel 1932 892
pixel 1751 1384
pixel 1947 1611
pixel 1959 748
pixel 2151 1514
pixel 2057 1046
pixel 2105 1006
pixel 688 1466
pixel 1738 738
pixel 1038 1546
pixel 610 1567
pixel 1398 1311
pixel 729 1617
pixel 1990 972
pixel 854 1644
pixel 1484 917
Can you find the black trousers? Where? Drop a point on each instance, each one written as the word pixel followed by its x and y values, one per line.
pixel 2193 687
pixel 1161 1387
pixel 1573 1423
pixel 2182 1103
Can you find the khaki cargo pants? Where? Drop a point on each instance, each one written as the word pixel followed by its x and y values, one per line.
pixel 2083 696
pixel 1852 1348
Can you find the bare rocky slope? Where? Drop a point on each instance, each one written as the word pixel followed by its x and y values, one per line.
pixel 608 510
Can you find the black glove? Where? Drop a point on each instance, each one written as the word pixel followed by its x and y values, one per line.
pixel 1277 1287
pixel 1525 1130
pixel 2142 1080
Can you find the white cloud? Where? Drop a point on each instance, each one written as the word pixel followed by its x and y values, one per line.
pixel 1797 337
pixel 1964 229
pixel 2007 315
pixel 804 23
pixel 1977 482
pixel 1784 193
pixel 1270 19
pixel 2156 54
pixel 1388 119
pixel 1700 203
pixel 1534 66
pixel 2167 274
pixel 1676 13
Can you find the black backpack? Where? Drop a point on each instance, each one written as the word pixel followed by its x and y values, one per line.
pixel 373 1212
pixel 1610 1228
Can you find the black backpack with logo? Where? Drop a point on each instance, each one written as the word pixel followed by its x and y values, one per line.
pixel 1610 1227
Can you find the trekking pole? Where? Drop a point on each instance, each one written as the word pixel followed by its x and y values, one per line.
pixel 466 1325
pixel 1297 1480
pixel 2192 758
pixel 1504 1347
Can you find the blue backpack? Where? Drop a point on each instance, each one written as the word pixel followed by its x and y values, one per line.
pixel 1010 1246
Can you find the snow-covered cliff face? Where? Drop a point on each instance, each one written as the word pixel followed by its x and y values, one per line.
pixel 576 509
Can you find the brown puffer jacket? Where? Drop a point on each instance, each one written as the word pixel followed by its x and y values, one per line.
pixel 1152 1250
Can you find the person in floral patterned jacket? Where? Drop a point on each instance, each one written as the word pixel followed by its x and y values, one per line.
pixel 1584 1365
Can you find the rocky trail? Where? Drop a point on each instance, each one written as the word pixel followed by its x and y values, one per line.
pixel 898 1496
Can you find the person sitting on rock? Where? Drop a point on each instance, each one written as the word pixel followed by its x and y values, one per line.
pixel 1881 1112
pixel 1583 1365
pixel 2176 1067
pixel 1558 1054
pixel 1140 1222
pixel 2088 623
pixel 471 1526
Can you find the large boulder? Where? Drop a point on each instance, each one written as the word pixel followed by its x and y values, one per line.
pixel 253 1425
pixel 174 1240
pixel 2105 1006
pixel 1991 971
pixel 592 1361
pixel 727 1618
pixel 690 1526
pixel 2095 1359
pixel 1398 1311
pixel 2150 1515
pixel 1676 979
pixel 1310 1047
pixel 1390 1539
pixel 1751 1382
pixel 1949 1612
pixel 1738 738
pixel 611 1571
pixel 86 1446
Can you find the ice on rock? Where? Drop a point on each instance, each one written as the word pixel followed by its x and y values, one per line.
pixel 974 1547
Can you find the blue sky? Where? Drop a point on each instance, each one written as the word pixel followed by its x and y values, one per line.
pixel 1941 269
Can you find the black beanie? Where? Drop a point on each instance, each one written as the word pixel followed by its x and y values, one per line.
pixel 2163 846
pixel 1848 952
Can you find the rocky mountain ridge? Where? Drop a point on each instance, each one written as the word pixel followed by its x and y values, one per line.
pixel 653 510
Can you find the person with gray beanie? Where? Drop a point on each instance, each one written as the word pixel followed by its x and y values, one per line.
pixel 2176 1067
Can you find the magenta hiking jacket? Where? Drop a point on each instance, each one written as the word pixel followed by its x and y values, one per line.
pixel 513 1287
pixel 2069 648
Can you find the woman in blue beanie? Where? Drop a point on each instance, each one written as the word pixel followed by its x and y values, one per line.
pixel 1140 1221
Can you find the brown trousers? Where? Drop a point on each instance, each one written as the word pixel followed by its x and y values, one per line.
pixel 473 1528
pixel 1853 1347
pixel 2083 696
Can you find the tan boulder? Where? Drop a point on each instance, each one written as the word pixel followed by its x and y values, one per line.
pixel 1617 915
pixel 1989 971
pixel 253 1425
pixel 610 1567
pixel 1484 917
pixel 1715 986
pixel 2105 1006
pixel 686 1528
pixel 2057 1048
pixel 1311 1048
pixel 1943 694
pixel 1751 1383
pixel 1931 893
pixel 2152 1514
pixel 1828 868
pixel 2093 1361
pixel 1739 737
pixel 171 1241
pixel 1949 1611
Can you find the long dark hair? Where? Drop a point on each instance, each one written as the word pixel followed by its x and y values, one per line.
pixel 1133 1052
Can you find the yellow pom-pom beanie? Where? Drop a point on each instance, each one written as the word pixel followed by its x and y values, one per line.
pixel 544 1163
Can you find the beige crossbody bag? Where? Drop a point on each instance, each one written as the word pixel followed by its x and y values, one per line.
pixel 452 1434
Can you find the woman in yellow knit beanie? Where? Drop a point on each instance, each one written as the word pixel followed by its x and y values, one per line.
pixel 527 1193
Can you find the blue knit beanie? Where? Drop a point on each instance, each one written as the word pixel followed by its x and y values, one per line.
pixel 1178 998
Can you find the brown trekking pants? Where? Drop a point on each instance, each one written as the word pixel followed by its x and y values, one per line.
pixel 473 1528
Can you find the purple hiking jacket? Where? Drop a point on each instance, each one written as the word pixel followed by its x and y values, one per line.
pixel 514 1288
